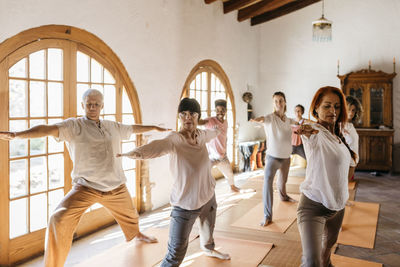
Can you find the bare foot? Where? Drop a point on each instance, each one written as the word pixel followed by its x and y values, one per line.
pixel 235 189
pixel 349 204
pixel 216 254
pixel 145 238
pixel 265 222
pixel 289 199
pixel 247 190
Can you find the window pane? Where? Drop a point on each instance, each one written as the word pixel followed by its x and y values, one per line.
pixel 18 178
pixel 109 99
pixel 128 163
pixel 37 99
pixel 126 103
pixel 108 78
pixel 36 65
pixel 38 174
pixel 131 182
pixel 37 145
pixel 204 100
pixel 198 83
pixel 18 98
pixel 18 147
pixel 96 71
pixel 128 119
pixel 82 62
pixel 192 85
pixel 56 170
pixel 55 62
pixel 192 93
pixel 38 212
pixel 55 99
pixel 54 146
pixel 19 69
pixel 80 89
pixel 55 198
pixel 18 217
pixel 204 80
pixel 110 118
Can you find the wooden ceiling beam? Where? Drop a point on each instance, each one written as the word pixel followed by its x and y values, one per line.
pixel 286 9
pixel 209 1
pixel 261 7
pixel 232 5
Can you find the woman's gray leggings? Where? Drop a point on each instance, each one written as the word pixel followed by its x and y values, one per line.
pixel 272 165
pixel 319 229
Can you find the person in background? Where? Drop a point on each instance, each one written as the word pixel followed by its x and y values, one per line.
pixel 354 109
pixel 279 147
pixel 324 191
pixel 217 146
pixel 193 194
pixel 297 145
pixel 97 175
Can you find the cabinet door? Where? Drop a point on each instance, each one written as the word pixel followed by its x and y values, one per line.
pixel 376 99
pixel 357 90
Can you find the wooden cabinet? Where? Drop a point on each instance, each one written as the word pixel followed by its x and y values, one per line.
pixel 374 89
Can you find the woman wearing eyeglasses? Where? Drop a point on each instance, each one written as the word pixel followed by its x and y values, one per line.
pixel 192 193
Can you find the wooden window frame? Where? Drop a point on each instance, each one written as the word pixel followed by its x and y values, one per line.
pixel 211 66
pixel 73 39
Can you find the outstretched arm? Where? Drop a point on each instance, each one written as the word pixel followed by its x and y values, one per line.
pixel 137 128
pixel 306 130
pixel 203 121
pixel 258 119
pixel 34 132
pixel 154 149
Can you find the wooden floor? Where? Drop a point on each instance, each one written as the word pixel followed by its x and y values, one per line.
pixel 287 246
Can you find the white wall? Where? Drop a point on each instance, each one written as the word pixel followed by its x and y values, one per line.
pixel 363 30
pixel 159 42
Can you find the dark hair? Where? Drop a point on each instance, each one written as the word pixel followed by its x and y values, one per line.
pixel 189 104
pixel 220 102
pixel 279 93
pixel 340 122
pixel 301 107
pixel 351 100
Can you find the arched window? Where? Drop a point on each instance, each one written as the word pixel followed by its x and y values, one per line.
pixel 42 81
pixel 207 82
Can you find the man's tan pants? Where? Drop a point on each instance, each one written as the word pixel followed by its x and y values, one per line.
pixel 65 219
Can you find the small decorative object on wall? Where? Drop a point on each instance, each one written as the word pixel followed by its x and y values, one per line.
pixel 247 97
pixel 322 28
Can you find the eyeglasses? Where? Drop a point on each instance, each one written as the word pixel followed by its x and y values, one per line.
pixel 192 114
pixel 96 105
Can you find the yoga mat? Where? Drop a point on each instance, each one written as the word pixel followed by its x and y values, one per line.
pixel 232 200
pixel 243 253
pixel 342 261
pixel 134 253
pixel 284 214
pixel 359 225
pixel 285 253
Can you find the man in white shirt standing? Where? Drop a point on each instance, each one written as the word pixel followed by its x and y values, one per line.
pixel 97 174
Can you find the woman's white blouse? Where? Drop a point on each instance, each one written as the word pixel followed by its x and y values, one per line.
pixel 328 162
pixel 351 136
pixel 189 165
pixel 279 136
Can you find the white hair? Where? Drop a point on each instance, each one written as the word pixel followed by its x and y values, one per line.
pixel 91 92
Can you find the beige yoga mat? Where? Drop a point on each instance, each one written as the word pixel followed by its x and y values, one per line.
pixel 284 214
pixel 243 253
pixel 134 253
pixel 342 261
pixel 359 225
pixel 232 199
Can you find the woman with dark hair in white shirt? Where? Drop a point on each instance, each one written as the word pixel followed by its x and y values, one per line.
pixel 279 148
pixel 192 193
pixel 324 192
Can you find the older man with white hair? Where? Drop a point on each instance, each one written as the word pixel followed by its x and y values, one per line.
pixel 97 174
